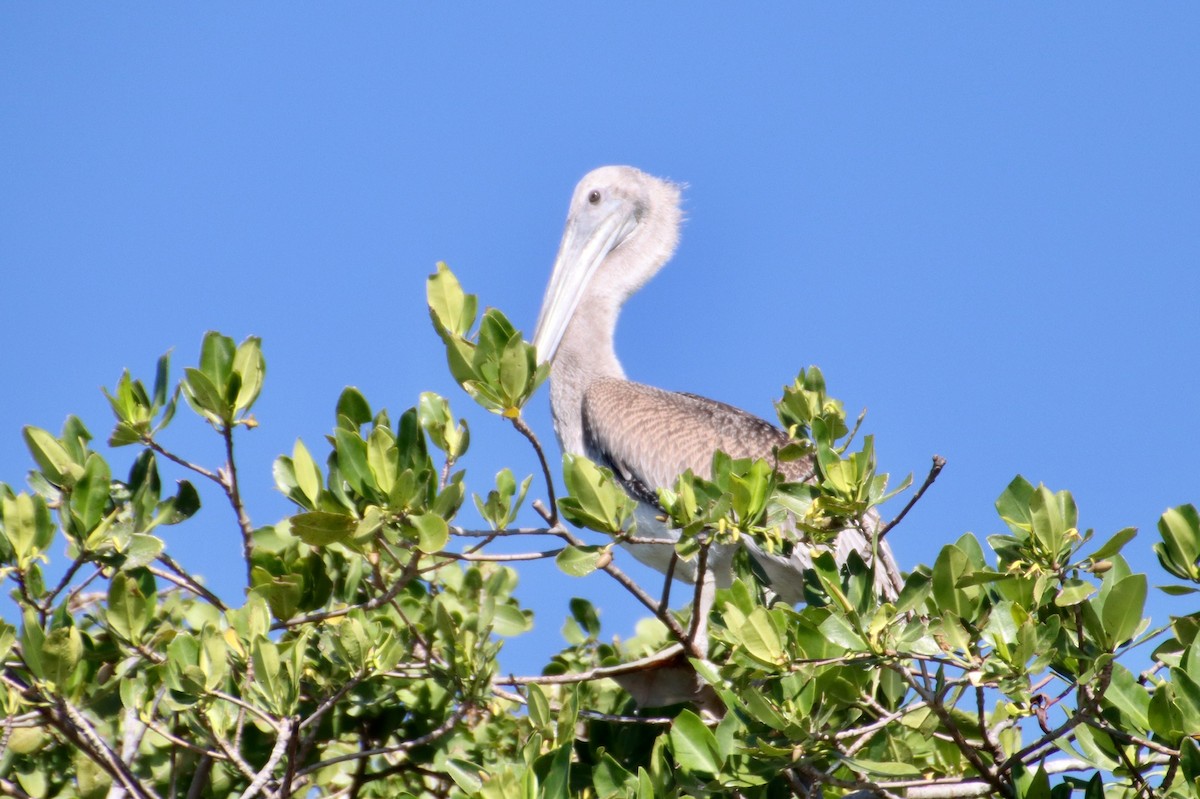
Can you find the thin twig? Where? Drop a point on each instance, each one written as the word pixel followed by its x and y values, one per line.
pixel 599 672
pixel 200 470
pixel 200 778
pixel 442 729
pixel 524 430
pixel 665 602
pixel 277 752
pixel 103 753
pixel 399 585
pixel 968 750
pixel 66 579
pixel 938 463
pixel 192 584
pixel 505 558
pixel 653 721
pixel 234 492
pixel 697 640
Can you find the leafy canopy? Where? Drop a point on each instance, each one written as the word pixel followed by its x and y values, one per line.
pixel 363 659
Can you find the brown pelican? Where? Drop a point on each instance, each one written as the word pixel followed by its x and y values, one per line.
pixel 622 227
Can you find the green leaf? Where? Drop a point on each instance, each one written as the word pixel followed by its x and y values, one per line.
pixel 204 397
pixel 27 526
pixel 761 639
pixel 1013 505
pixel 585 615
pixel 61 652
pixel 539 707
pixel 52 458
pixel 1114 545
pixel 127 607
pixel 580 561
pixel 383 458
pixel 432 532
pixel 558 778
pixel 595 500
pixel 180 507
pixel 250 366
pixel 839 632
pixel 216 359
pixel 610 779
pixel 1180 547
pixel 451 309
pixel 321 528
pixel 695 746
pixel 353 406
pixel 91 493
pixel 308 475
pixel 466 775
pixel 515 370
pixel 1123 608
pixel 352 460
pixel 1073 592
pixel 141 550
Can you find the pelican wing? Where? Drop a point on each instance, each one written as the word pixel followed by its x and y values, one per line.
pixel 649 437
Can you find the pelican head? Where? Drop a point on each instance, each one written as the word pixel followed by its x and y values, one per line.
pixel 622 227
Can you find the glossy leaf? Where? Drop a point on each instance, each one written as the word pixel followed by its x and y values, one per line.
pixel 321 528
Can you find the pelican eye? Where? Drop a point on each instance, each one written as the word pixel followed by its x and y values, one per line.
pixel 594 197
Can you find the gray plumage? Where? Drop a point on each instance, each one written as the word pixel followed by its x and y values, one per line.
pixel 622 227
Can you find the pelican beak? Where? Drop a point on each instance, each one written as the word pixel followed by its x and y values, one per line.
pixel 586 243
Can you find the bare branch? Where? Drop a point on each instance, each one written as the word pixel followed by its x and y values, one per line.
pixel 505 558
pixel 442 729
pixel 277 751
pixel 938 463
pixel 191 583
pixel 229 481
pixel 642 664
pixel 524 430
pixel 200 470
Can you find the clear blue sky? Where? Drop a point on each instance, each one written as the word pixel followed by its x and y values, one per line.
pixel 982 222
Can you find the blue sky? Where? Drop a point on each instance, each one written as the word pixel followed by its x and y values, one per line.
pixel 980 221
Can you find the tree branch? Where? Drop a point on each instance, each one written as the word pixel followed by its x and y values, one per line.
pixel 524 430
pixel 938 463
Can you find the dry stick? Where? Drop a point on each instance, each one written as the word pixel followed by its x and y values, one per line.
pixel 599 672
pixel 524 430
pixel 192 584
pixel 277 751
pixel 200 778
pixel 171 456
pixel 66 578
pixel 76 729
pixel 100 747
pixel 702 599
pixel 180 742
pixel 230 484
pixel 285 789
pixel 517 556
pixel 77 590
pixel 938 463
pixel 984 731
pixel 666 594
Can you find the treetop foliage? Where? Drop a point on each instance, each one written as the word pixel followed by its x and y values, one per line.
pixel 363 659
